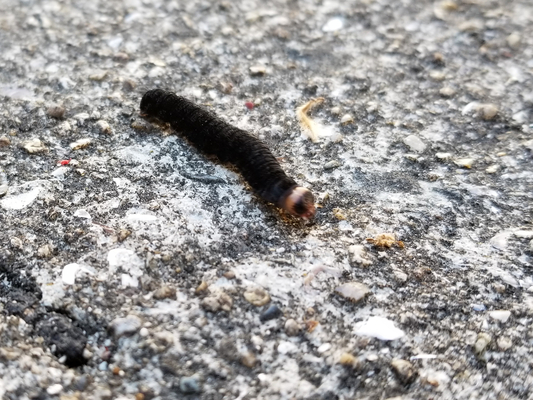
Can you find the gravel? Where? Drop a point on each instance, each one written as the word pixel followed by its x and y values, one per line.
pixel 110 224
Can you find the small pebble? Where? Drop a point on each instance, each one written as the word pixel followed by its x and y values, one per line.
pixel 98 76
pixel 478 307
pixel 123 234
pixel 504 343
pixel 87 354
pixel 56 111
pixel 249 105
pixel 404 370
pixel 414 143
pixel 225 87
pixel 257 70
pixel 4 141
pixel 324 348
pixel 333 25
pixel 291 327
pixel 229 274
pixel 271 312
pixel 513 40
pixel 249 360
pixel 449 5
pixel 447 91
pixel 483 340
pixel 128 85
pixel 331 165
pixel 335 110
pixel 348 360
pixel 499 288
pixel 80 144
pixel 144 332
pixel 202 287
pixel 464 162
pixel 34 146
pixel 219 301
pixel 437 75
pixel 443 156
pixel 165 292
pixel 54 389
pixel 492 169
pixel 121 57
pixel 45 251
pixel 487 111
pixel 346 119
pixel 189 384
pixel 353 291
pixel 125 326
pixel 103 127
pixel 257 296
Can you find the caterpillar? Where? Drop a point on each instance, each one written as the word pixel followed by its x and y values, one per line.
pixel 215 137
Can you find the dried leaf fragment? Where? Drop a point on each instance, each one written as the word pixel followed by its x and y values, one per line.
pixel 80 144
pixel 34 146
pixel 309 126
pixel 386 240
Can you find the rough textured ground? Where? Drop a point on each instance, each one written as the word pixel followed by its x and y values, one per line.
pixel 168 245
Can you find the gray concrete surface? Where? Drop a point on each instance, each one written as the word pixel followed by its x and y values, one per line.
pixel 144 270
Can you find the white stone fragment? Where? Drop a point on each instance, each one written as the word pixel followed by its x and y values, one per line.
pixel 500 315
pixel 500 240
pixel 125 259
pixel 523 234
pixel 492 169
pixel 60 172
pixel 486 111
pixel 54 389
pixel 423 357
pixel 128 281
pixel 68 275
pixel 20 201
pixel 333 25
pixel 464 162
pixel 285 347
pixel 443 156
pixel 415 143
pixel 346 119
pixel 380 328
pixel 323 348
pixel 125 326
pixel 81 213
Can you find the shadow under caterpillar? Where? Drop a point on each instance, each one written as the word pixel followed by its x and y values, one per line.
pixel 213 136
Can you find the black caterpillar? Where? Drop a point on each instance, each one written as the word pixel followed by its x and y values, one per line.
pixel 212 136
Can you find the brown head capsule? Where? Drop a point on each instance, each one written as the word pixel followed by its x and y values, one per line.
pixel 299 202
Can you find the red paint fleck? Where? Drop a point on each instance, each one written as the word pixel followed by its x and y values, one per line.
pixel 65 162
pixel 249 105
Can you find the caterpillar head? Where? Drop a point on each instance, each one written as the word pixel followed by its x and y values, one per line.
pixel 150 100
pixel 300 202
